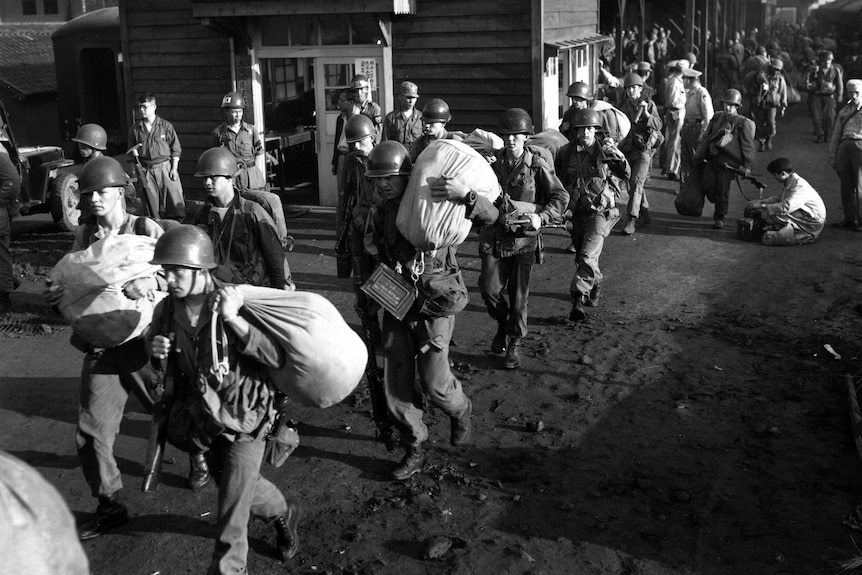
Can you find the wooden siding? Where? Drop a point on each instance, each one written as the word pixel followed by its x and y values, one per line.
pixel 568 19
pixel 169 53
pixel 475 54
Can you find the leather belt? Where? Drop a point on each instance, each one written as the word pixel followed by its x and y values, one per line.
pixel 693 120
pixel 151 163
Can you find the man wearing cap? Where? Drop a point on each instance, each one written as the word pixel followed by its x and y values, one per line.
pixel 845 156
pixel 404 125
pixel 367 106
pixel 243 141
pixel 639 146
pixel 825 84
pixel 674 101
pixel 770 101
pixel 698 113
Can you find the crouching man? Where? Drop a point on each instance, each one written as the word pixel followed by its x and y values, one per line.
pixel 222 401
pixel 796 215
pixel 418 344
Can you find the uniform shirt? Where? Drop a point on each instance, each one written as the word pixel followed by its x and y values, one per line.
pixel 587 177
pixel 743 130
pixel 848 126
pixel 645 130
pixel 826 81
pixel 405 130
pixel 244 144
pixel 797 194
pixel 698 105
pixel 86 235
pixel 159 144
pixel 246 244
pixel 372 110
pixel 674 95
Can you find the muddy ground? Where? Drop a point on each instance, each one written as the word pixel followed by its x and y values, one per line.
pixel 695 423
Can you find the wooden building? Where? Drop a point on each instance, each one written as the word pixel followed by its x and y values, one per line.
pixel 290 58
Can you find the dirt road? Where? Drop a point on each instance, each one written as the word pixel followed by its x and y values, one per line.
pixel 694 423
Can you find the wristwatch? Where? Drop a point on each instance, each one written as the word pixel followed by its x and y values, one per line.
pixel 470 198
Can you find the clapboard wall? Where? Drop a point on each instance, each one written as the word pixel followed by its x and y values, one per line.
pixel 568 19
pixel 187 66
pixel 475 54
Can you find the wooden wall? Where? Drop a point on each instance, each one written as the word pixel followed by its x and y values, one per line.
pixel 568 19
pixel 475 54
pixel 169 53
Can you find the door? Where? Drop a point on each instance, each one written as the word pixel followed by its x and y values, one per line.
pixel 333 75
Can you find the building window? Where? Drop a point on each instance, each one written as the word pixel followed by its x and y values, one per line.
pixel 51 7
pixel 28 7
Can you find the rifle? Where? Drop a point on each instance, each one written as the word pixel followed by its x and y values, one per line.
pixel 163 395
pixel 342 249
pixel 373 374
pixel 741 173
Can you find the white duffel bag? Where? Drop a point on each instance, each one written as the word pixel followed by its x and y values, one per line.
pixel 324 359
pixel 431 224
pixel 93 301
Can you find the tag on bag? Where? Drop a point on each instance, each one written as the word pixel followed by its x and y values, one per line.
pixel 394 293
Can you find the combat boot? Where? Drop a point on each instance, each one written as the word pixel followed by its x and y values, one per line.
pixel 5 302
pixel 109 514
pixel 630 227
pixel 411 464
pixel 498 344
pixel 643 218
pixel 513 357
pixel 199 472
pixel 460 432
pixel 768 144
pixel 287 530
pixel 595 296
pixel 578 312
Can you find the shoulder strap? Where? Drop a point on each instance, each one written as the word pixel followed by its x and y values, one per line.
pixel 141 226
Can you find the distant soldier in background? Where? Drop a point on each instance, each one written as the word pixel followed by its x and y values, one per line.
pixel 698 112
pixel 771 101
pixel 825 84
pixel 435 116
pixel 367 106
pixel 243 141
pixel 405 124
pixel 674 101
pixel 92 141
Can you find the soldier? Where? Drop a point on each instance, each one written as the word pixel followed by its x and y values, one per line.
pixel 197 304
pixel 155 143
pixel 825 85
pixel 674 116
pixel 418 344
pixel 107 375
pixel 92 141
pixel 435 116
pixel 612 119
pixel 511 245
pixel 845 157
pixel 404 125
pixel 367 106
pixel 244 237
pixel 349 103
pixel 770 101
pixel 585 166
pixel 639 147
pixel 243 141
pixel 728 147
pixel 10 187
pixel 698 112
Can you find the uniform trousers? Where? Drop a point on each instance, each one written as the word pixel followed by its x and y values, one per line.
pixel 823 114
pixel 508 275
pixel 640 163
pixel 243 491
pixel 848 164
pixel 690 135
pixel 171 202
pixel 107 378
pixel 419 346
pixel 589 230
pixel 716 183
pixel 7 282
pixel 673 125
pixel 764 120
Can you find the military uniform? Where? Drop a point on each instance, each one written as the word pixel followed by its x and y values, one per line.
pixel 674 100
pixel 507 255
pixel 698 112
pixel 158 146
pixel 639 146
pixel 405 130
pixel 594 212
pixel 10 187
pixel 825 86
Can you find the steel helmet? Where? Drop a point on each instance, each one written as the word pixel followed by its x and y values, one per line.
pixel 436 110
pixel 232 100
pixel 776 63
pixel 360 81
pixel 99 173
pixel 732 96
pixel 92 135
pixel 359 127
pixel 579 90
pixel 633 80
pixel 515 121
pixel 185 245
pixel 216 162
pixel 389 158
pixel 586 118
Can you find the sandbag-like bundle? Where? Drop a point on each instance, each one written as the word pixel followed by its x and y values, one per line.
pixel 485 142
pixel 93 301
pixel 550 139
pixel 324 358
pixel 431 224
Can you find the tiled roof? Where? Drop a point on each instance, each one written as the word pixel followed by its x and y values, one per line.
pixel 27 58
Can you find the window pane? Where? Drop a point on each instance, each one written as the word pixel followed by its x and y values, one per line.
pixel 51 7
pixel 28 7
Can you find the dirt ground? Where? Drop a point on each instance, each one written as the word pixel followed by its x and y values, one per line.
pixel 695 423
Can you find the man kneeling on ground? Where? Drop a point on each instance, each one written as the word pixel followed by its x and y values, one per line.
pixel 796 215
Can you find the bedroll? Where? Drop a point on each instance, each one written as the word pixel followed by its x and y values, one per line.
pixel 431 225
pixel 324 358
pixel 93 301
